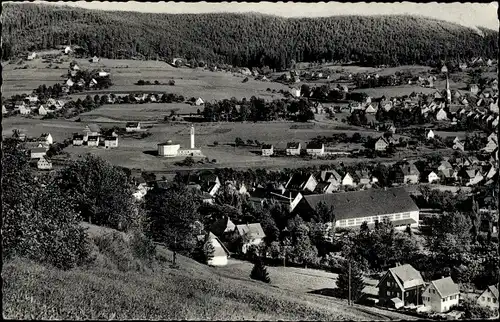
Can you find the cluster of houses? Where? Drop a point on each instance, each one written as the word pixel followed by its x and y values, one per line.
pixel 314 149
pixel 32 105
pixel 78 82
pixel 38 150
pixel 403 286
pixel 92 136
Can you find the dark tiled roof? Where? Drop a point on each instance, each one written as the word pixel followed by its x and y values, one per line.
pixel 297 180
pixel 132 124
pixel 362 203
pixel 315 146
pixel 406 273
pixel 292 145
pixel 78 137
pixel 93 138
pixel 267 146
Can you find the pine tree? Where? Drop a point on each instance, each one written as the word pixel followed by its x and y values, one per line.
pixel 208 251
pixel 357 282
pixel 259 272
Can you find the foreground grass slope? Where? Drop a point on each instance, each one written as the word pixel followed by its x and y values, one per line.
pixel 194 291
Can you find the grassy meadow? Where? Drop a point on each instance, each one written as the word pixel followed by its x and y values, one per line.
pixel 155 291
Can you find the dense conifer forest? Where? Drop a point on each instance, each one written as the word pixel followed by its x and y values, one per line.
pixel 242 40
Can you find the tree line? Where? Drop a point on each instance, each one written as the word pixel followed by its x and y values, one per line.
pixel 242 40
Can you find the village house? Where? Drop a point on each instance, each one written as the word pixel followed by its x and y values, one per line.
pixel 103 73
pixel 31 98
pixel 251 234
pixel 348 180
pixel 223 226
pixel 220 254
pixel 441 295
pixel 351 209
pixel 44 163
pixel 410 173
pixel 70 82
pixel 489 298
pixel 267 150
pixel 46 138
pixel 92 130
pixel 301 182
pixel 432 177
pixel 444 69
pixel 293 148
pixel 95 59
pixel 78 139
pixel 199 102
pixel 363 177
pixel 67 50
pixel 370 109
pixel 31 56
pixel 42 110
pixel 315 149
pixel 93 141
pixel 38 152
pixel 111 142
pixel 441 115
pixel 491 145
pixel 445 165
pixel 381 144
pixel 324 187
pixel 401 286
pixel 331 176
pixel 132 126
pixel 429 134
pixel 4 110
pixel 295 92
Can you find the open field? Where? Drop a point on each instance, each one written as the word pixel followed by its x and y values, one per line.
pixel 139 112
pixel 139 153
pixel 125 73
pixel 194 291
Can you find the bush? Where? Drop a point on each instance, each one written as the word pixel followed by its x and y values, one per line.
pixel 216 143
pixel 142 246
pixel 171 82
pixel 259 272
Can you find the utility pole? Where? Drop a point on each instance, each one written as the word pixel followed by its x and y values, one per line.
pixel 349 301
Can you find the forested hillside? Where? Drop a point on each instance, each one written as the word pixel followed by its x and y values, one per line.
pixel 242 40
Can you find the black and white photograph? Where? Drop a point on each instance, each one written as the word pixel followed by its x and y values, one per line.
pixel 262 161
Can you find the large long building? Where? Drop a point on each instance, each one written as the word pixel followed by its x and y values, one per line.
pixel 351 209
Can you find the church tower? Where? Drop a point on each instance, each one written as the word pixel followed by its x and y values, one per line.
pixel 192 137
pixel 448 92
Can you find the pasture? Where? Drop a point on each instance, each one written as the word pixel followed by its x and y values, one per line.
pixel 125 73
pixel 394 91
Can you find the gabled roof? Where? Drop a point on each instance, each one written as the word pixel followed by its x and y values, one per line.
pixel 219 226
pixel 267 146
pixel 494 290
pixel 322 187
pixel 132 124
pixel 356 204
pixel 314 146
pixel 292 145
pixel 406 275
pixel 253 230
pixel 218 251
pixel 38 150
pixel 445 287
pixel 77 136
pixel 93 127
pixel 409 169
pixel 93 138
pixel 327 174
pixel 297 180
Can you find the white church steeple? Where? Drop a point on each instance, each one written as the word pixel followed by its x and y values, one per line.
pixel 192 137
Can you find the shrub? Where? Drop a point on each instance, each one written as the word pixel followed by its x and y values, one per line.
pixel 259 272
pixel 115 247
pixel 216 143
pixel 142 246
pixel 171 82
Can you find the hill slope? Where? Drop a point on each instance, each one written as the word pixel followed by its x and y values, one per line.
pixel 194 291
pixel 242 40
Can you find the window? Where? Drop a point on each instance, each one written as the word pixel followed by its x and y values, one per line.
pixel 374 218
pixel 482 298
pixel 390 217
pixel 342 222
pixel 443 299
pixel 350 222
pixel 398 216
pixel 489 299
pixel 406 215
pixel 359 221
pixel 494 300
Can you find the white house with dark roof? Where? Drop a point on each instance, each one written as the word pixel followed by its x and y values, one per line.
pixel 37 153
pixel 133 126
pixel 440 295
pixel 293 148
pixel 315 149
pixel 111 142
pixel 44 163
pixel 93 141
pixel 381 144
pixel 348 180
pixel 301 182
pixel 489 298
pixel 267 150
pixel 251 234
pixel 351 209
pixel 221 253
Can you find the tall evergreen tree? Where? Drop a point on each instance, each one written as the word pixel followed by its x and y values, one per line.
pixel 259 272
pixel 356 281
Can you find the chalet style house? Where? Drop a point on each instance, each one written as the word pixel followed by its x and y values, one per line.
pixel 401 286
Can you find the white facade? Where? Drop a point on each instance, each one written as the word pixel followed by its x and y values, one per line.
pixel 219 260
pixel 432 177
pixel 111 143
pixel 295 92
pixel 267 152
pixel 430 134
pixel 488 299
pixel 168 150
pixel 320 151
pixel 93 142
pixel 353 222
pixel 437 303
pixel 44 164
pixel 347 180
pixel 441 115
